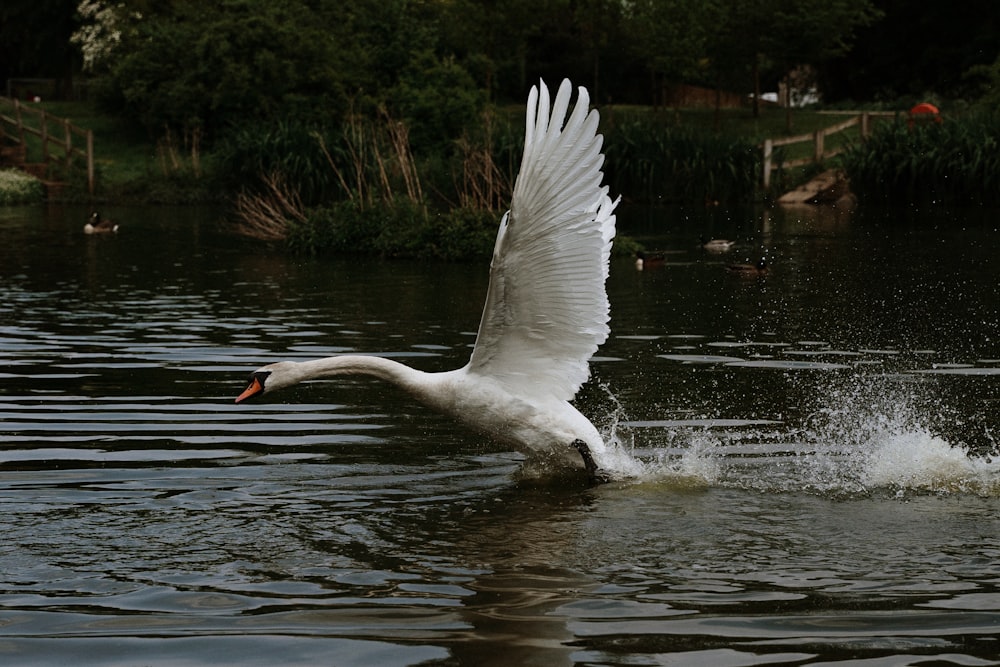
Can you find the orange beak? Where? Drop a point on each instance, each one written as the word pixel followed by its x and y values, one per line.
pixel 255 387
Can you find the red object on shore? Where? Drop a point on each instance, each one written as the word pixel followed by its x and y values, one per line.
pixel 924 112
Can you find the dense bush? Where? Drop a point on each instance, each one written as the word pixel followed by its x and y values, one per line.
pixel 438 100
pixel 397 229
pixel 17 187
pixel 956 161
pixel 290 148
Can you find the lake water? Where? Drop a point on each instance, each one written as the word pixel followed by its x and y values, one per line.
pixel 819 448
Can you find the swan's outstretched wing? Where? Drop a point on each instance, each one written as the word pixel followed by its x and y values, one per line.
pixel 547 310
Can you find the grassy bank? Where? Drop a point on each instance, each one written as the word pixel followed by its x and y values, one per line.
pixel 653 155
pixel 132 165
pixel 361 188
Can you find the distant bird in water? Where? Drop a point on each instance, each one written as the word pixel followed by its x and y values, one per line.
pixel 546 310
pixel 649 260
pixel 749 270
pixel 99 225
pixel 717 245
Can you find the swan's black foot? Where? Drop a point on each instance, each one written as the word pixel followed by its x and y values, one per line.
pixel 597 475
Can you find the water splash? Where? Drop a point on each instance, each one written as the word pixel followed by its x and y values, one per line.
pixel 696 466
pixel 884 432
pixel 870 436
pixel 691 466
pixel 619 459
pixel 918 460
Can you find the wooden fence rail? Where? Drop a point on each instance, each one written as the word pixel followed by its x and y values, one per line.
pixel 18 120
pixel 819 152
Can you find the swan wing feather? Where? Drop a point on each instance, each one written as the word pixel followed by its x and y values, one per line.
pixel 547 309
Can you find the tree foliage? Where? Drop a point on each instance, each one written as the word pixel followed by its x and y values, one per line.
pixel 672 38
pixel 239 57
pixel 35 39
pixel 767 38
pixel 195 66
pixel 917 48
pixel 207 65
pixel 309 90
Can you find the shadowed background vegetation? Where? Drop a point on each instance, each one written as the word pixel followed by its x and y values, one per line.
pixel 394 126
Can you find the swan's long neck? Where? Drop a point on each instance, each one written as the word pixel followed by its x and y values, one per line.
pixel 435 390
pixel 353 364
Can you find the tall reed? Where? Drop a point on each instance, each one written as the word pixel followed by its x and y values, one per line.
pixel 485 178
pixel 250 154
pixel 373 162
pixel 651 160
pixel 954 162
pixel 267 214
pixel 288 170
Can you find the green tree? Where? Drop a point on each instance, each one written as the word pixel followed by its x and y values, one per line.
pixel 775 35
pixel 197 67
pixel 437 98
pixel 34 39
pixel 919 47
pixel 670 38
pixel 984 82
pixel 505 44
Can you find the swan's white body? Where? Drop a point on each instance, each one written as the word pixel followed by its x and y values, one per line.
pixel 546 309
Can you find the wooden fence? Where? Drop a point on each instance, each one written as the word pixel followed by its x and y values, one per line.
pixel 18 120
pixel 819 152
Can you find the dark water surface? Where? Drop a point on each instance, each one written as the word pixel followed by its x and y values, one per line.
pixel 820 484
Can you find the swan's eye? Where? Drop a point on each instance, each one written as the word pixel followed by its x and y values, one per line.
pixel 258 376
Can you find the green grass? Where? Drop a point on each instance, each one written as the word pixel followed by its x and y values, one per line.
pixel 122 151
pixel 740 123
pixel 130 164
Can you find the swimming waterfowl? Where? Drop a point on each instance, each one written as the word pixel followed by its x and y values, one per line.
pixel 716 245
pixel 648 260
pixel 749 270
pixel 546 309
pixel 99 225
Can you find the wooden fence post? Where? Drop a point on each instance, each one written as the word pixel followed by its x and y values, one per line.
pixel 45 136
pixel 90 161
pixel 23 127
pixel 69 143
pixel 20 122
pixel 768 151
pixel 864 120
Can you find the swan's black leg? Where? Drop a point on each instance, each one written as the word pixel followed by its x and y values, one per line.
pixel 597 476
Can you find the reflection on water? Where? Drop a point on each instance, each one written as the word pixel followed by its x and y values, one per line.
pixel 820 481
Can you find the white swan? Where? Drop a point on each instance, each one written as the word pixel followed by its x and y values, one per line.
pixel 546 309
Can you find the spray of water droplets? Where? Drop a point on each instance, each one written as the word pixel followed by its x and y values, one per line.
pixel 872 435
